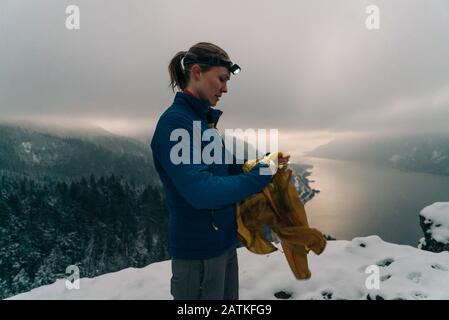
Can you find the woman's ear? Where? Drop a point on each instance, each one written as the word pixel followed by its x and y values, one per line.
pixel 195 72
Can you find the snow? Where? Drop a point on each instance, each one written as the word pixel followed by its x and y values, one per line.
pixel 437 156
pixel 437 214
pixel 36 159
pixel 395 158
pixel 26 146
pixel 339 273
pixel 421 243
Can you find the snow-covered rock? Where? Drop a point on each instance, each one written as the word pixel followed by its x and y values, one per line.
pixel 404 272
pixel 434 220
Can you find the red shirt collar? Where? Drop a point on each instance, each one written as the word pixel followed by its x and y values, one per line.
pixel 187 91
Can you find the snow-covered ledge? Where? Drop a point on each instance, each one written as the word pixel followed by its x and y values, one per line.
pixel 404 272
pixel 434 221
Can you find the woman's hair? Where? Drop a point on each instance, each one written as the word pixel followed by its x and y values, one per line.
pixel 179 76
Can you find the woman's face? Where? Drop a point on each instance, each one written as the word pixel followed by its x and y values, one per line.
pixel 212 84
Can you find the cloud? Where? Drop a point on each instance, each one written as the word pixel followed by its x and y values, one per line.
pixel 306 66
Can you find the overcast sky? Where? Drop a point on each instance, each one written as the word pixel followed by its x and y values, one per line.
pixel 309 68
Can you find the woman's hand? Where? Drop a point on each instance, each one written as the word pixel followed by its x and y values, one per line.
pixel 283 159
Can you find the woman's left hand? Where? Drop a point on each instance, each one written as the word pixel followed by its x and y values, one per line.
pixel 283 159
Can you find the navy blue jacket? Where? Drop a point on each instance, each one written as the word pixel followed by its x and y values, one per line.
pixel 201 197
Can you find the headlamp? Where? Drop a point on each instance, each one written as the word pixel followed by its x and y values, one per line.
pixel 213 61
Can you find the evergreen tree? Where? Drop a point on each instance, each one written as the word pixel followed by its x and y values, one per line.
pixel 100 225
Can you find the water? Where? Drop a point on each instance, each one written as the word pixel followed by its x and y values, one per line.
pixel 360 199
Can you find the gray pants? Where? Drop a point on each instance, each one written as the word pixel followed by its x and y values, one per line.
pixel 207 279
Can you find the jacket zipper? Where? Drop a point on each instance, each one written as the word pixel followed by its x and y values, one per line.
pixel 213 221
pixel 214 126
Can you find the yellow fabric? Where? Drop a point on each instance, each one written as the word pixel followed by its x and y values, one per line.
pixel 279 207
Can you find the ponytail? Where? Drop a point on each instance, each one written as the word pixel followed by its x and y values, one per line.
pixel 177 75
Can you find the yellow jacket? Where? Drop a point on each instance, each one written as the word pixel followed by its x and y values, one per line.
pixel 279 207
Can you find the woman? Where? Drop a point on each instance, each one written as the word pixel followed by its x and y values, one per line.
pixel 201 197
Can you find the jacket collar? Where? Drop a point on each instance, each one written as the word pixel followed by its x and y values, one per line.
pixel 200 107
